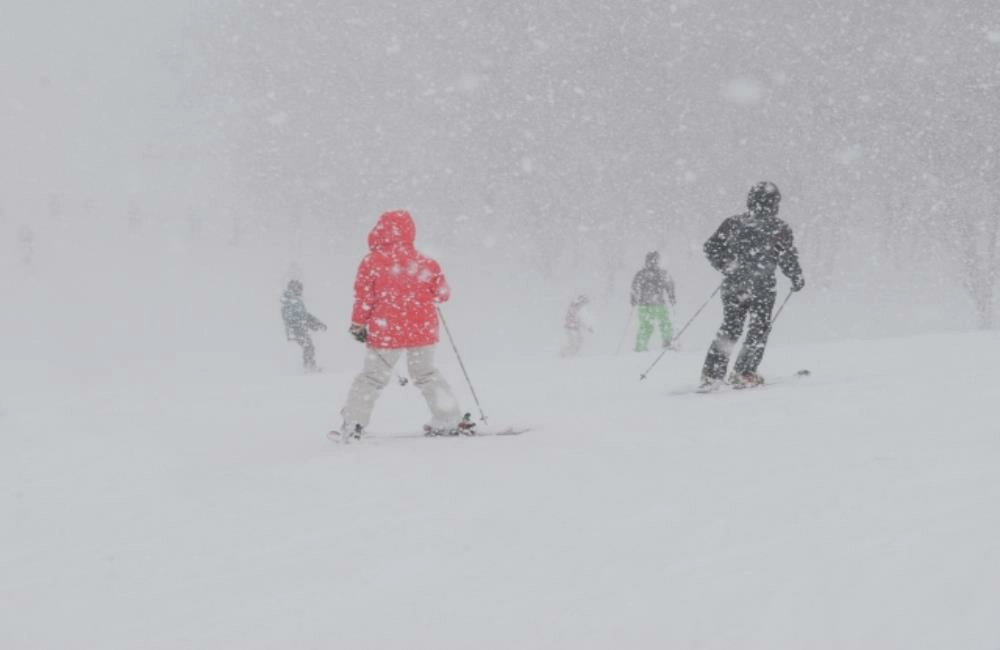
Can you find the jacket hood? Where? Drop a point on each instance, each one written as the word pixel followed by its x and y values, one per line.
pixel 294 289
pixel 652 259
pixel 394 229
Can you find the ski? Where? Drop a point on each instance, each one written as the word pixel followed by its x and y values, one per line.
pixel 726 387
pixel 509 431
pixel 336 436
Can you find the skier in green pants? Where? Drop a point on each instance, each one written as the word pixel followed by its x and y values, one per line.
pixel 652 287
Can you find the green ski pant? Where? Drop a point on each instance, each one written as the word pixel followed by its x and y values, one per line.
pixel 648 315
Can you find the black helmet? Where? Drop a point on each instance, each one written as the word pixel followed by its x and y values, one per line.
pixel 764 198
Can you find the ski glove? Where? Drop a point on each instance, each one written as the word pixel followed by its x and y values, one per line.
pixel 798 282
pixel 360 333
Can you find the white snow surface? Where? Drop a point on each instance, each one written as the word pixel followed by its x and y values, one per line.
pixel 856 508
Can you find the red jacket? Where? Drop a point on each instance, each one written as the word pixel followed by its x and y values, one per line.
pixel 396 288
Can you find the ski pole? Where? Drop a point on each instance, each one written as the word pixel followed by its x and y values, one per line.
pixel 451 339
pixel 402 380
pixel 628 324
pixel 778 313
pixel 686 325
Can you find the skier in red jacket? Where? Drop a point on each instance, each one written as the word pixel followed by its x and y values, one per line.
pixel 396 292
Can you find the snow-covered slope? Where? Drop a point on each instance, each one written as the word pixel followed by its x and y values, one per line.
pixel 856 508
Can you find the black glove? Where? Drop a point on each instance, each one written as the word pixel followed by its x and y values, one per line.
pixel 360 333
pixel 798 282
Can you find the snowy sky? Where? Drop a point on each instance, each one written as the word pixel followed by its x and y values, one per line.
pixel 85 85
pixel 584 130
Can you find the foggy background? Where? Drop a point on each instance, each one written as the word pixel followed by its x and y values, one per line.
pixel 167 167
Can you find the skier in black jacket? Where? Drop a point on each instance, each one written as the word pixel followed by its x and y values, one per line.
pixel 747 249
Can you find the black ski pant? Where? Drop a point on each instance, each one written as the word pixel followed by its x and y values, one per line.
pixel 737 304
pixel 308 349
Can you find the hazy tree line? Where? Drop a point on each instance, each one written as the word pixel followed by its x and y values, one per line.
pixel 562 126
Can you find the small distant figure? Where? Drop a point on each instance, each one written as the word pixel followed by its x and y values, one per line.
pixel 26 246
pixel 577 321
pixel 652 287
pixel 133 214
pixel 195 222
pixel 299 322
pixel 55 208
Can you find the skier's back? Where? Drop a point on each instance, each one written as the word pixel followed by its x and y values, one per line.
pixel 652 287
pixel 748 249
pixel 396 292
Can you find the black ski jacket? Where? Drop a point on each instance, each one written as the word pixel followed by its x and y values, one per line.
pixel 649 285
pixel 749 248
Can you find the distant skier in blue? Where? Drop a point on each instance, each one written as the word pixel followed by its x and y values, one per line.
pixel 299 322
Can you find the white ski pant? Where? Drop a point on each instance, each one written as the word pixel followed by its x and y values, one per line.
pixel 367 386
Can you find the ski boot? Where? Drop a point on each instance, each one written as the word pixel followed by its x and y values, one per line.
pixel 750 379
pixel 465 427
pixel 346 434
pixel 709 385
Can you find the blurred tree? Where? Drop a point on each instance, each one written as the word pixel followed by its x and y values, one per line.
pixel 568 126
